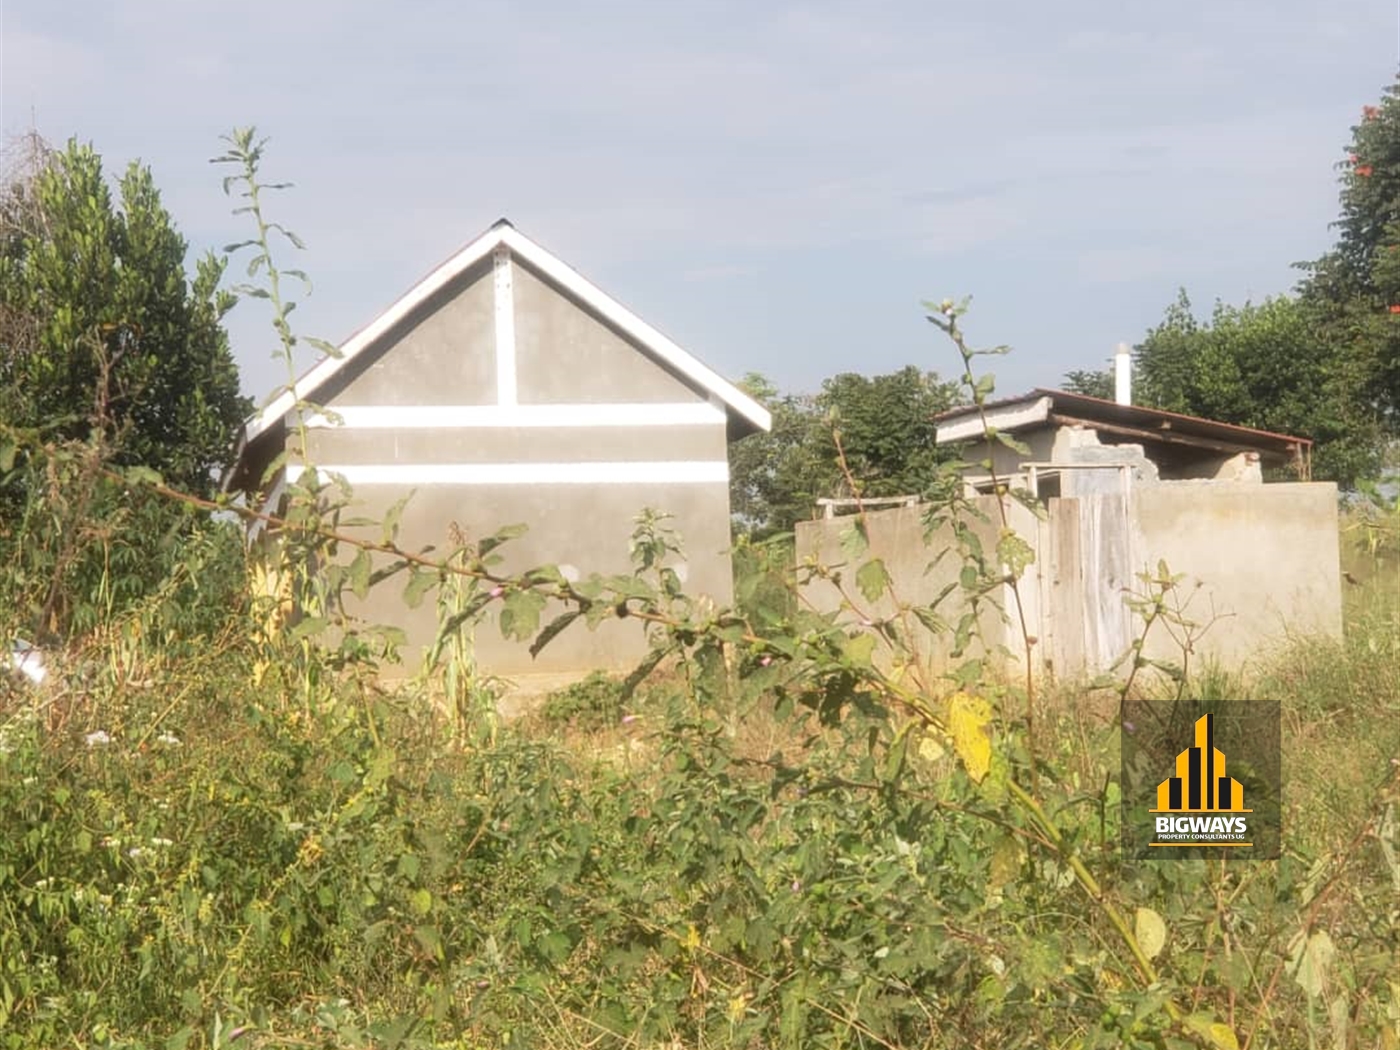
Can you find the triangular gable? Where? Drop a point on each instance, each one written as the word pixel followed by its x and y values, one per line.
pixel 749 414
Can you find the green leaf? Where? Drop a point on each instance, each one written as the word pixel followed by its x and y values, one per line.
pixel 520 614
pixel 854 540
pixel 421 902
pixel 360 574
pixel 1310 961
pixel 1150 931
pixel 930 619
pixel 420 582
pixel 553 629
pixel 142 476
pixel 1014 552
pixel 500 536
pixel 873 580
pixel 1012 443
pixel 639 673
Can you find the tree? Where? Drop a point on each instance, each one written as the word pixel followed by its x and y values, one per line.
pixel 1355 288
pixel 111 356
pixel 887 433
pixel 1268 366
pixel 1090 383
pixel 103 327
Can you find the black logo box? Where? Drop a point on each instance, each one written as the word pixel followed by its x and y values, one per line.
pixel 1248 732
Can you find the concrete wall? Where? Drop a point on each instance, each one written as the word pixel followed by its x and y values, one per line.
pixel 1265 558
pixel 580 529
pixel 565 354
pixel 444 354
pixel 921 565
pixel 569 369
pixel 1267 555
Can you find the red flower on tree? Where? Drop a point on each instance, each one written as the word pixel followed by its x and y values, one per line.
pixel 1364 170
pixel 1394 308
pixel 1370 112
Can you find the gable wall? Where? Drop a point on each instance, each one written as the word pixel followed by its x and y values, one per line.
pixel 565 354
pixel 503 402
pixel 444 355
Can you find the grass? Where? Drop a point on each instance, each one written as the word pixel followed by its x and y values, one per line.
pixel 646 872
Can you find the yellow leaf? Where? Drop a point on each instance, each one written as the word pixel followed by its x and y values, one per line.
pixel 1221 1036
pixel 1006 862
pixel 930 749
pixel 1150 931
pixel 967 724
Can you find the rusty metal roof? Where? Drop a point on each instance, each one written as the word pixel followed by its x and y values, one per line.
pixel 1144 424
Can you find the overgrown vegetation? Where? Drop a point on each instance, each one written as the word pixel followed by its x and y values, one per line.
pixel 222 830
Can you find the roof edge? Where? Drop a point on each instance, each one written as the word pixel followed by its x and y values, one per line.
pixel 503 234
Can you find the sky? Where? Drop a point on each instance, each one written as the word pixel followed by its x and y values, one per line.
pixel 777 186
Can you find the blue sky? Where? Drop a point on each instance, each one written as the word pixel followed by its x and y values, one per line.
pixel 775 185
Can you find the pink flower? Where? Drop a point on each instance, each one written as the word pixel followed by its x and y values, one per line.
pixel 496 592
pixel 765 661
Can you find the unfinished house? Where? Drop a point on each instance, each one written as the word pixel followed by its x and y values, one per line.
pixel 506 388
pixel 1118 489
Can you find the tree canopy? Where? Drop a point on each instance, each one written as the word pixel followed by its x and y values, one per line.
pixel 885 426
pixel 1322 362
pixel 101 324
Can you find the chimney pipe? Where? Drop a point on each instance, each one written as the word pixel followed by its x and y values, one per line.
pixel 1123 375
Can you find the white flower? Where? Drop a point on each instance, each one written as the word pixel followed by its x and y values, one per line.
pixel 98 738
pixel 161 842
pixel 135 852
pixel 168 739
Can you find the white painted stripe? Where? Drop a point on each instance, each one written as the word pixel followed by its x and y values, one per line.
pixel 506 236
pixel 638 473
pixel 456 417
pixel 505 326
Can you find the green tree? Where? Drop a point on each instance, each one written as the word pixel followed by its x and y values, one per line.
pixel 1269 366
pixel 111 356
pixel 1090 383
pixel 886 429
pixel 101 324
pixel 1355 288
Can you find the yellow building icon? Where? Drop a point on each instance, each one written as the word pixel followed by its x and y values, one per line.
pixel 1200 784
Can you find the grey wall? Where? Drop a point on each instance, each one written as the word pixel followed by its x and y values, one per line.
pixel 580 528
pixel 1260 561
pixel 565 354
pixel 920 571
pixel 444 354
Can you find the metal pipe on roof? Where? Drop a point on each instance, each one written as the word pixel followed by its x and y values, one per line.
pixel 1123 375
